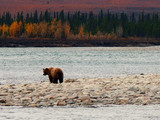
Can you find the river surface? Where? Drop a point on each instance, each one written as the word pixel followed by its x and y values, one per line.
pixel 19 65
pixel 24 65
pixel 128 112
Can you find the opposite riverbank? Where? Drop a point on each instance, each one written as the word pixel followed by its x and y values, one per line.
pixel 135 90
pixel 48 42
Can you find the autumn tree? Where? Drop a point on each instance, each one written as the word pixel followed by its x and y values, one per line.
pixel 16 29
pixel 36 31
pixel 43 29
pixel 31 30
pixel 112 36
pixel 81 31
pixel 67 29
pixel 52 28
pixel 58 33
pixel 5 30
pixel 20 27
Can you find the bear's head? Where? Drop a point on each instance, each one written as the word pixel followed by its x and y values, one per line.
pixel 45 71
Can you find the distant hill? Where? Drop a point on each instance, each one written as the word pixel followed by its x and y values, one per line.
pixel 83 5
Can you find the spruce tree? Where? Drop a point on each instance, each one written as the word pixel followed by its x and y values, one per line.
pixel 35 17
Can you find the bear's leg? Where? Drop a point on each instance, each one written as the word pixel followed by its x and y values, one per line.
pixel 51 79
pixel 61 80
pixel 55 81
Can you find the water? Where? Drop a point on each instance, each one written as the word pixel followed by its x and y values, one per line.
pixel 128 112
pixel 19 65
pixel 25 64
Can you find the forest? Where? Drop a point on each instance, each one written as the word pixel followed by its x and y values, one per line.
pixel 85 26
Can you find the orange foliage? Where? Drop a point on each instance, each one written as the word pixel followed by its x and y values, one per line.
pixel 81 31
pixel 36 29
pixel 43 29
pixel 14 29
pixel 112 36
pixel 52 28
pixel 5 30
pixel 100 36
pixel 58 33
pixel 32 30
pixel 67 29
pixel 20 26
pixel 29 30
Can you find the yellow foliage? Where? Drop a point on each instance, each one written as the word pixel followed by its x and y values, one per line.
pixel 58 33
pixel 52 28
pixel 112 36
pixel 36 30
pixel 29 29
pixel 5 30
pixel 81 31
pixel 67 29
pixel 14 29
pixel 43 29
pixel 20 26
pixel 32 30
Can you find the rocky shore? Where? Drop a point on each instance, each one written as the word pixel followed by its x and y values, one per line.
pixel 135 89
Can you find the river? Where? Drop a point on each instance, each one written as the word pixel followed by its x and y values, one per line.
pixel 24 65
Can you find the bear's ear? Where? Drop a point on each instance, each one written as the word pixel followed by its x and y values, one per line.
pixel 47 69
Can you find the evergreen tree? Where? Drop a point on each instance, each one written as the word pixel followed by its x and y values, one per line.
pixel 91 25
pixel 21 17
pixel 41 17
pixel 54 15
pixel 57 16
pixel 35 17
pixel 133 19
pixel 27 18
pixel 68 17
pixel 80 24
pixel 61 16
pixel 0 20
pixel 8 18
pixel 31 18
pixel 18 17
pixel 47 16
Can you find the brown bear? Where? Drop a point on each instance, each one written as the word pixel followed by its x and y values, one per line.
pixel 54 74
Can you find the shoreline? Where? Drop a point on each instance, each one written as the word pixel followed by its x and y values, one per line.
pixel 126 90
pixel 49 42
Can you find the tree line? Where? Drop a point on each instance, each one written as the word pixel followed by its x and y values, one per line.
pixel 61 25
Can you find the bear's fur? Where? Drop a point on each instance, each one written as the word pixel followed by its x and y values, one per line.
pixel 54 74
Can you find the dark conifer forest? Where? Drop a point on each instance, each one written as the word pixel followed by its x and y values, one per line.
pixel 61 25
